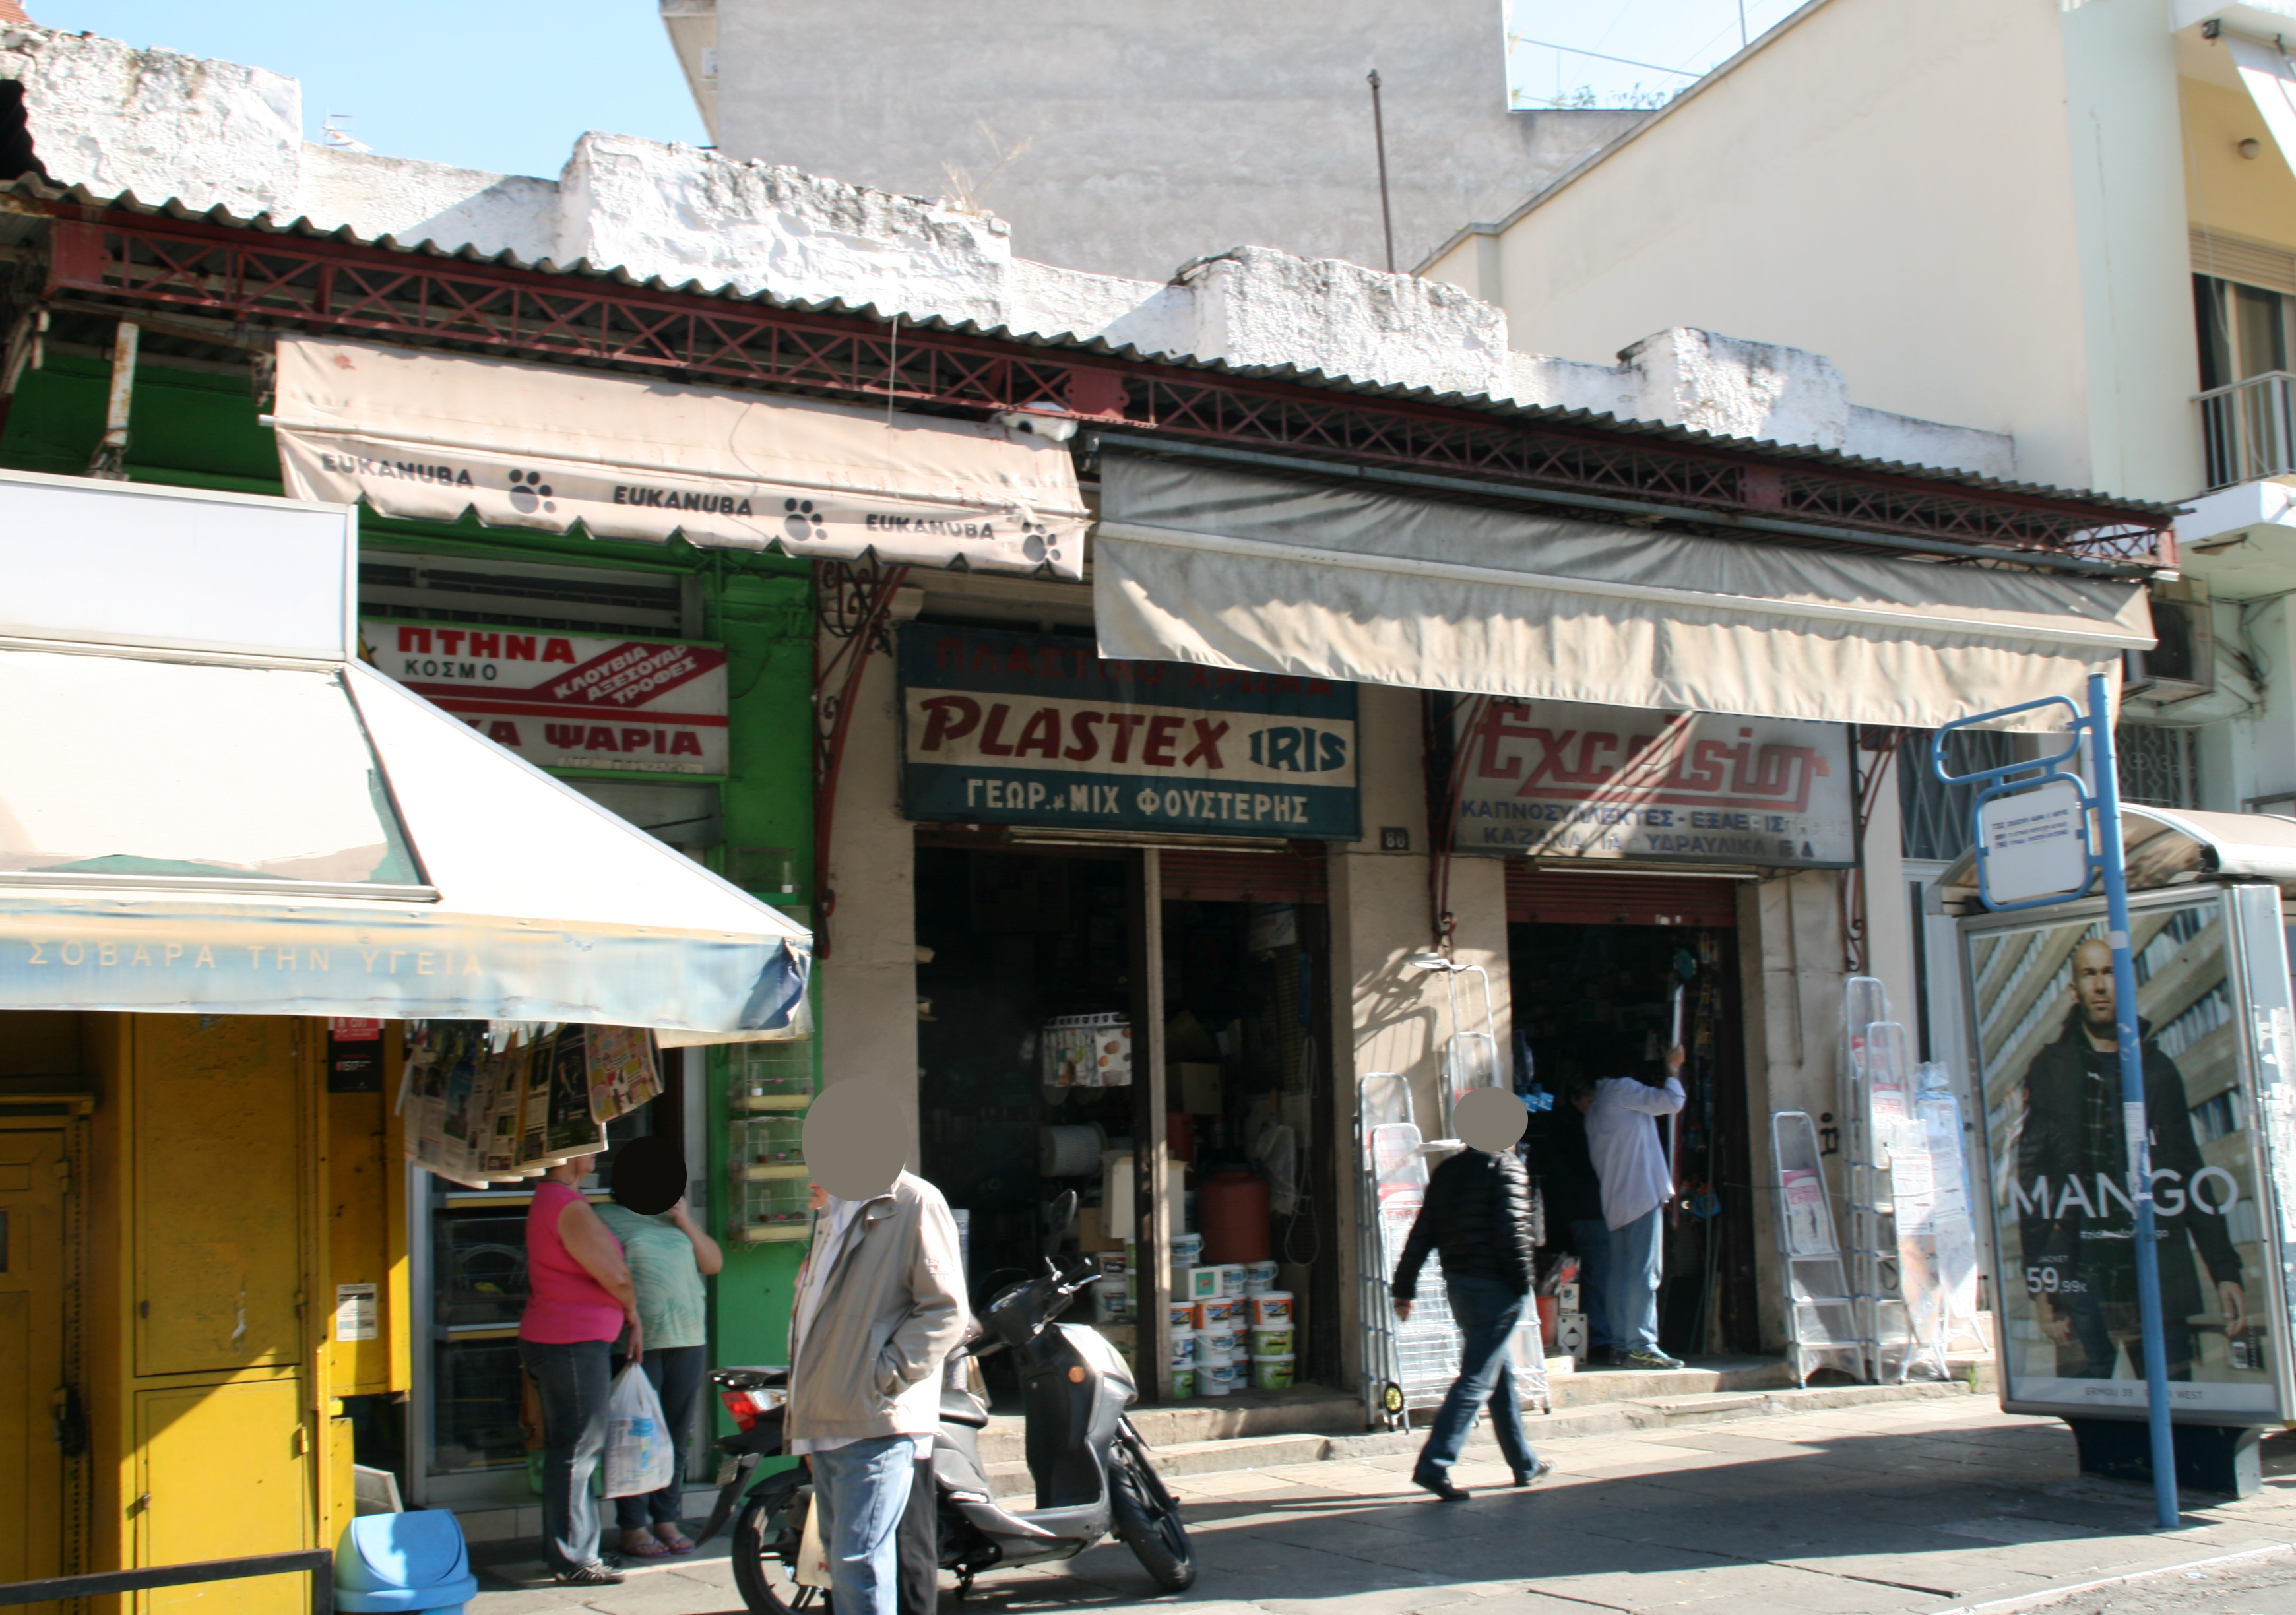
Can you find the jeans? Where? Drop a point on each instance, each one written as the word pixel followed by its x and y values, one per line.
pixel 1634 1251
pixel 862 1490
pixel 1590 1236
pixel 921 1545
pixel 575 1381
pixel 675 1372
pixel 1487 1313
pixel 2099 1327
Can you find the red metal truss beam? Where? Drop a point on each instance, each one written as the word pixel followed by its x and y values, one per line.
pixel 320 286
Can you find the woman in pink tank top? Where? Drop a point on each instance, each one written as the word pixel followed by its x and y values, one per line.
pixel 579 1296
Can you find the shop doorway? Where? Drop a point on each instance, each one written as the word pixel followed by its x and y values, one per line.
pixel 1247 996
pixel 1008 943
pixel 1595 961
pixel 1014 940
pixel 32 1368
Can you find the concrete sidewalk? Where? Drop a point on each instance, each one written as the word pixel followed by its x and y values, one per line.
pixel 1914 1507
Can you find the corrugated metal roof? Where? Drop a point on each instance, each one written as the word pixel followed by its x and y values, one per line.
pixel 303 228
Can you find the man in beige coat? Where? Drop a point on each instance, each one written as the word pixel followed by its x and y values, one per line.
pixel 880 1305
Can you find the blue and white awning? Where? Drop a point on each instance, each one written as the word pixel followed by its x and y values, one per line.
pixel 206 805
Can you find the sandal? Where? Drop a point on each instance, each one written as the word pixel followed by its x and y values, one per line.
pixel 645 1548
pixel 671 1540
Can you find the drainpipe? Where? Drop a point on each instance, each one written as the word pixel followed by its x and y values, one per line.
pixel 110 460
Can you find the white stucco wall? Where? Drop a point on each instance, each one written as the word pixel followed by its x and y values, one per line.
pixel 155 123
pixel 869 980
pixel 2127 184
pixel 1897 187
pixel 161 126
pixel 414 202
pixel 1790 975
pixel 1386 1018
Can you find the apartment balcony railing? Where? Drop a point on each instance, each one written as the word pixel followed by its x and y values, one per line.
pixel 2248 430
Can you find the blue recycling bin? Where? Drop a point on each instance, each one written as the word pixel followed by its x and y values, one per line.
pixel 417 1563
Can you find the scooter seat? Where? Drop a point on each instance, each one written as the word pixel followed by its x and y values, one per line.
pixel 957 1407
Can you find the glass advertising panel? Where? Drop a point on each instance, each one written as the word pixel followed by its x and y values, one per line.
pixel 2043 1003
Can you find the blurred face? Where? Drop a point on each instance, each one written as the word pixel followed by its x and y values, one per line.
pixel 2093 983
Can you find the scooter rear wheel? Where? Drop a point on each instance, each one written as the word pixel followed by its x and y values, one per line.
pixel 764 1547
pixel 1146 1517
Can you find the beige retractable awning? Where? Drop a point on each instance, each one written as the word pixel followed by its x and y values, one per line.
pixel 431 435
pixel 1240 569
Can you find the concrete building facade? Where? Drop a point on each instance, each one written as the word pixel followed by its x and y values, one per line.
pixel 2072 224
pixel 1128 139
pixel 691 233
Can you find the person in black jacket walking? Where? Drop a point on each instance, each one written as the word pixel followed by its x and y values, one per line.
pixel 1476 1216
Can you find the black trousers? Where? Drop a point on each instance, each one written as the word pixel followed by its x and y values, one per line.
pixel 920 1544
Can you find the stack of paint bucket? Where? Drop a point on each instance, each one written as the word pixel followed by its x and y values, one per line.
pixel 1112 1291
pixel 1221 1365
pixel 1268 1321
pixel 1185 1382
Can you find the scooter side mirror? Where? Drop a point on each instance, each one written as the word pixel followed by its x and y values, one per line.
pixel 1060 1223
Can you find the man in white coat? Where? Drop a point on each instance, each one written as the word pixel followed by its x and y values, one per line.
pixel 1622 1137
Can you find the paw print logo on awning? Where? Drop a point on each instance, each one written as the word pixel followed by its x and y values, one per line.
pixel 1037 543
pixel 801 522
pixel 529 493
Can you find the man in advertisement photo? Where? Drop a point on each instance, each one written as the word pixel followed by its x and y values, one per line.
pixel 2076 1224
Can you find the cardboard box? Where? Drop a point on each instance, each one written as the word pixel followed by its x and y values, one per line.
pixel 1091 1236
pixel 1198 1085
pixel 1570 1336
pixel 1566 1298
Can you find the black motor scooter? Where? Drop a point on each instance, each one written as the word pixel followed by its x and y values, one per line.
pixel 1092 1470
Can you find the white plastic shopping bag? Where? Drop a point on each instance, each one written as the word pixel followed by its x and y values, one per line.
pixel 639 1458
pixel 812 1557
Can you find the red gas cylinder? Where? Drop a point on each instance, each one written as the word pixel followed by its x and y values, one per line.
pixel 1233 1207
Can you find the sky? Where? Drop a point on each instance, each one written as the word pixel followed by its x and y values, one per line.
pixel 504 86
pixel 1557 48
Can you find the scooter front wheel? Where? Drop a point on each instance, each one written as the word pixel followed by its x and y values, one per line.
pixel 1147 1517
pixel 765 1547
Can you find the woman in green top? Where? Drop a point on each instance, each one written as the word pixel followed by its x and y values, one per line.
pixel 667 1254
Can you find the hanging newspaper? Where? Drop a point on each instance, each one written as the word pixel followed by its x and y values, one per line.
pixel 479 1110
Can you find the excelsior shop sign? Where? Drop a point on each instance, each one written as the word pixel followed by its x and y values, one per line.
pixel 1567 779
pixel 564 700
pixel 1036 729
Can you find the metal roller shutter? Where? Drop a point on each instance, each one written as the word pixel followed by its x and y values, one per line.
pixel 1243 877
pixel 1619 899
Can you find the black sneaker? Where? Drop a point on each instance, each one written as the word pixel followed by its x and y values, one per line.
pixel 593 1574
pixel 1533 1476
pixel 1441 1487
pixel 1650 1357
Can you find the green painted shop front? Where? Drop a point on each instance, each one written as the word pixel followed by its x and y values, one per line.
pixel 199 428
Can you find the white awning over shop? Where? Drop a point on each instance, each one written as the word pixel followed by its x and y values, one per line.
pixel 266 826
pixel 1238 569
pixel 431 435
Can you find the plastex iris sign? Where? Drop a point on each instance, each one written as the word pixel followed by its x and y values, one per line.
pixel 1003 728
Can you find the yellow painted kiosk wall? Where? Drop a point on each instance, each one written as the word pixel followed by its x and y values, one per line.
pixel 228 1192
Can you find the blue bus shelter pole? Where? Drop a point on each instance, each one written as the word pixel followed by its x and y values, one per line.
pixel 2107 787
